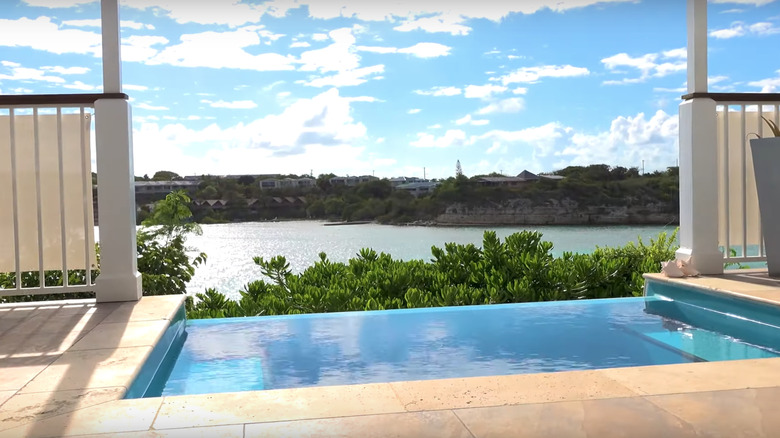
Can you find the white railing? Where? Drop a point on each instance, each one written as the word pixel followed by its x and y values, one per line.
pixel 739 118
pixel 46 203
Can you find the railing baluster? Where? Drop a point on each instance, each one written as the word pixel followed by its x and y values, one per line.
pixel 38 198
pixel 15 197
pixel 86 175
pixel 63 234
pixel 743 155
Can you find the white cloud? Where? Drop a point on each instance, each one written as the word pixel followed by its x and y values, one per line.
pixel 439 91
pixel 468 120
pixel 483 91
pixel 650 65
pixel 413 111
pixel 97 23
pixel 768 85
pixel 408 9
pixel 66 70
pixel 628 141
pixel 453 137
pixel 420 50
pixel 739 29
pixel 236 104
pixel 139 48
pixel 232 13
pixel 745 2
pixel 222 50
pixel 510 105
pixel 28 74
pixel 532 75
pixel 447 23
pixel 78 85
pixel 436 126
pixel 347 78
pixel 47 36
pixel 149 107
pixel 318 130
pixel 57 3
pixel 520 90
pixel 339 56
pixel 299 44
pixel 319 37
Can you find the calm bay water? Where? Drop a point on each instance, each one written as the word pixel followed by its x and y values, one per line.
pixel 230 247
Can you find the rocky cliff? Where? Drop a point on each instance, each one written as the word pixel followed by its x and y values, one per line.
pixel 558 212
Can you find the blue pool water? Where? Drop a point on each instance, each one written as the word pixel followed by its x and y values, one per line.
pixel 241 354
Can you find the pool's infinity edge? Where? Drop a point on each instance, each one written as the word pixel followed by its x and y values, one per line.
pixel 120 415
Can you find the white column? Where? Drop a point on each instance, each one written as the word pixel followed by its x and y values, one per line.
pixel 698 156
pixel 119 279
pixel 112 58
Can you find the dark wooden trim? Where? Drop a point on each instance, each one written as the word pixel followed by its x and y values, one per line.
pixel 57 99
pixel 736 97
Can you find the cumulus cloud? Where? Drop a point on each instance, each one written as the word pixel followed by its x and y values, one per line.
pixel 446 23
pixel 97 23
pixel 321 128
pixel 66 70
pixel 510 105
pixel 739 29
pixel 414 111
pixel 483 91
pixel 768 85
pixel 15 72
pixel 439 91
pixel 629 141
pixel 42 34
pixel 347 78
pixel 650 65
pixel 467 119
pixel 222 50
pixel 530 75
pixel 420 50
pixel 236 104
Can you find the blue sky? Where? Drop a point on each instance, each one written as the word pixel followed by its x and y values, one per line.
pixel 392 88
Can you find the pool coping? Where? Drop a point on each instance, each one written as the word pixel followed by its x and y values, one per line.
pixel 57 408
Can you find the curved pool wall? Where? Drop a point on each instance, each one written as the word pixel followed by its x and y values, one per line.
pixel 158 365
pixel 688 325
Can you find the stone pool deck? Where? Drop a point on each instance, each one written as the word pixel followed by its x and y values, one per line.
pixel 64 367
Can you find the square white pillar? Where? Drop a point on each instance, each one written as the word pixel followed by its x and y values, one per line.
pixel 699 186
pixel 119 279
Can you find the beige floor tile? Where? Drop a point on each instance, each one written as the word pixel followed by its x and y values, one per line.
pixel 736 413
pixel 90 369
pixel 697 377
pixel 111 417
pixel 233 431
pixel 25 408
pixel 4 396
pixel 54 323
pixel 506 390
pixel 18 371
pixel 147 309
pixel 116 335
pixel 12 343
pixel 606 418
pixel 277 405
pixel 432 424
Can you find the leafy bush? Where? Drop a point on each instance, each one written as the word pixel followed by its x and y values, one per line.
pixel 519 269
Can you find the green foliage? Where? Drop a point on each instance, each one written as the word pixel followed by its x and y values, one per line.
pixel 519 269
pixel 163 262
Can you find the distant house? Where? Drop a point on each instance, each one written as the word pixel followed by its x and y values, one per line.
pixel 351 181
pixel 513 181
pixel 397 181
pixel 419 188
pixel 273 183
pixel 164 187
